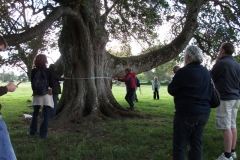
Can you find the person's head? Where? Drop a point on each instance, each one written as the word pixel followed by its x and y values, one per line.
pixel 40 61
pixel 175 69
pixel 155 78
pixel 227 48
pixel 193 54
pixel 53 67
pixel 128 70
pixel 3 44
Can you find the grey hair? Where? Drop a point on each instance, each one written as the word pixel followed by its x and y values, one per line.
pixel 194 53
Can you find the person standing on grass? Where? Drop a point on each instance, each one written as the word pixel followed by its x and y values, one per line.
pixel 130 85
pixel 56 89
pixel 191 89
pixel 155 88
pixel 226 75
pixel 6 149
pixel 46 100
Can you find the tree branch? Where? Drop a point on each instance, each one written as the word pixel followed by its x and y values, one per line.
pixel 108 10
pixel 39 29
pixel 164 54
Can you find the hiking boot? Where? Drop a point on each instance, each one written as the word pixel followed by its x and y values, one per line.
pixel 234 155
pixel 222 157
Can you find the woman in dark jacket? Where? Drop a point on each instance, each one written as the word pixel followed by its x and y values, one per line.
pixel 39 100
pixel 56 89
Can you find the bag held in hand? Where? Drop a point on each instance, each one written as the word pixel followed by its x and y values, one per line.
pixel 215 98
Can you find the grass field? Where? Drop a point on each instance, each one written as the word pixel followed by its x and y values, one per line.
pixel 122 139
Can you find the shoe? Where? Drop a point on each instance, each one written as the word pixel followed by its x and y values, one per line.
pixel 28 133
pixel 130 108
pixel 234 155
pixel 222 157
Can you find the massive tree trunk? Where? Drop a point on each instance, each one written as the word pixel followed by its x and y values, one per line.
pixel 89 68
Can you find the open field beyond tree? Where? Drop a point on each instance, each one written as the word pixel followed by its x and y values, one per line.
pixel 148 138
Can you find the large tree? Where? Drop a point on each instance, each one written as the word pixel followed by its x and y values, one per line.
pixel 86 27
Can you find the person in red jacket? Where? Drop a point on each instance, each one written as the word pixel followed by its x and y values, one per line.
pixel 130 85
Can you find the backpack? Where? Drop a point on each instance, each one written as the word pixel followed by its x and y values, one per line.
pixel 40 83
pixel 137 82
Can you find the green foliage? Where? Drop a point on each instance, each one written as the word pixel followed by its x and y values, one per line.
pixel 237 58
pixel 137 18
pixel 8 77
pixel 121 51
pixel 218 22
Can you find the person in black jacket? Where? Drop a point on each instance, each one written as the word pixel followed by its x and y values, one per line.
pixel 56 89
pixel 45 100
pixel 191 89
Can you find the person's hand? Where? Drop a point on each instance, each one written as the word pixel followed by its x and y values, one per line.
pixel 11 87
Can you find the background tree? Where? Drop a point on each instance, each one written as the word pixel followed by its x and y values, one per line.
pixel 218 23
pixel 8 77
pixel 87 26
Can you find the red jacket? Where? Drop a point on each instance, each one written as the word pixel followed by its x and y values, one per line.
pixel 129 80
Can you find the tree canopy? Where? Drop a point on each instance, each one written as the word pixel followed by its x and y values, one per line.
pixel 84 27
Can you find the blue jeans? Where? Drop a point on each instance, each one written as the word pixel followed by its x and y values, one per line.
pixel 188 130
pixel 44 124
pixel 129 97
pixel 6 149
pixel 53 110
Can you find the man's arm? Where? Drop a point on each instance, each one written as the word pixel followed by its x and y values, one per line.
pixel 10 87
pixel 3 90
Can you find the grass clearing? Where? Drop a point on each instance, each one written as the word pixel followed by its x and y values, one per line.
pixel 122 139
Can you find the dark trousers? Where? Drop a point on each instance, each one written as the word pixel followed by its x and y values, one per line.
pixel 134 97
pixel 129 97
pixel 54 109
pixel 188 130
pixel 44 124
pixel 155 94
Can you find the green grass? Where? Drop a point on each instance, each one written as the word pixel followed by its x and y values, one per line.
pixel 122 139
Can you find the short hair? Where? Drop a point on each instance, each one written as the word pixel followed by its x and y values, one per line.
pixel 3 42
pixel 176 68
pixel 128 70
pixel 40 61
pixel 228 48
pixel 194 53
